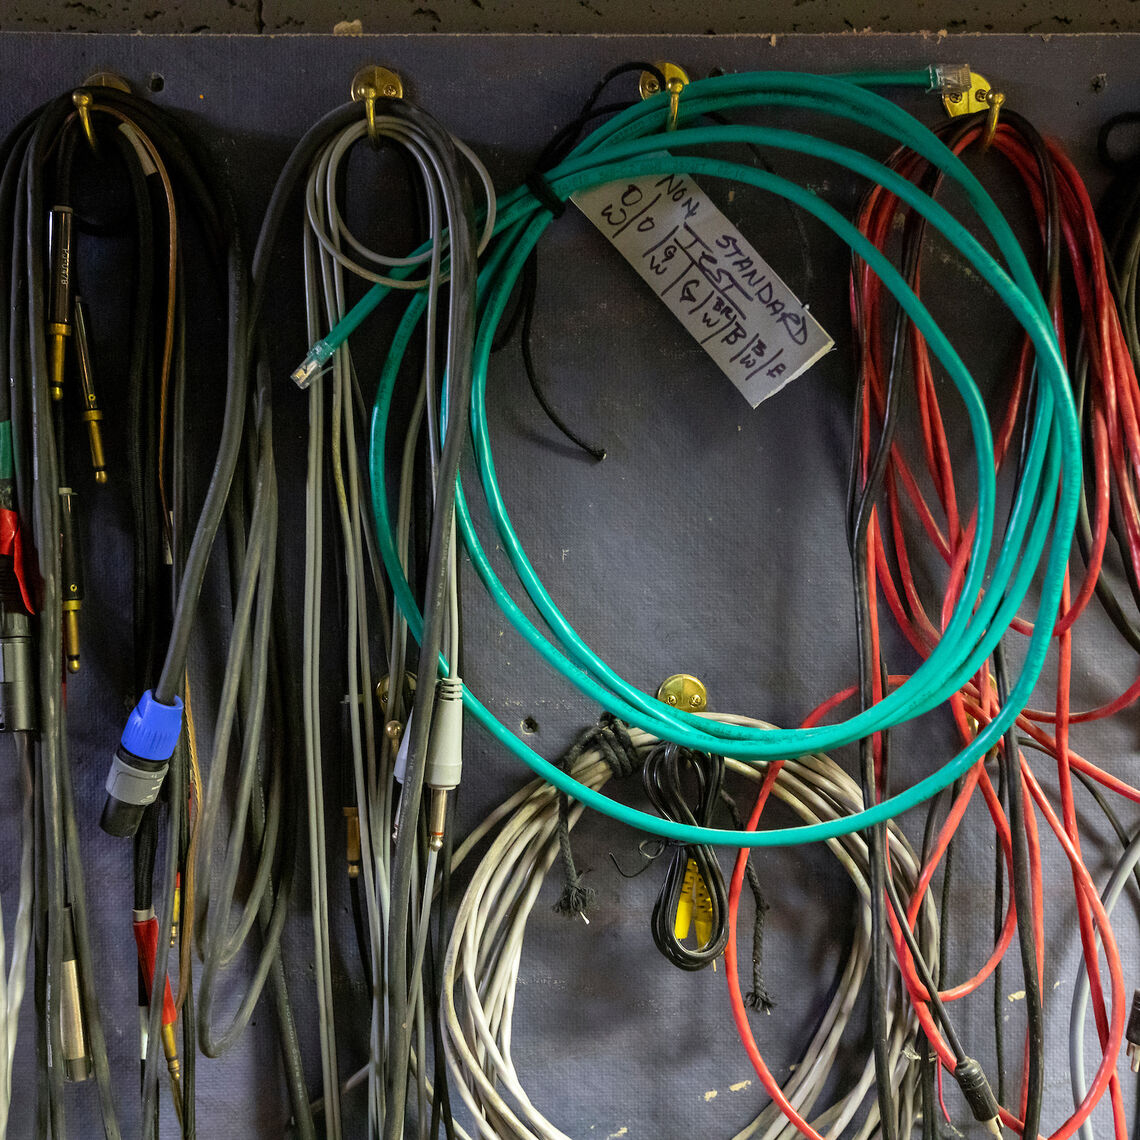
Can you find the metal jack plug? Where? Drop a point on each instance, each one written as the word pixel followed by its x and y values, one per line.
pixel 437 818
pixel 444 766
pixel 73 1033
pixel 72 567
pixel 59 312
pixel 92 414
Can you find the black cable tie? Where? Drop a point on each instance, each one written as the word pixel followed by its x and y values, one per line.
pixel 540 187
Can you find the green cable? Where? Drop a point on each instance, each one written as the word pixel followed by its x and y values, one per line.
pixel 321 350
pixel 973 629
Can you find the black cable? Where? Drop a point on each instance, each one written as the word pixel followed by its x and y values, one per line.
pixel 685 786
pixel 65 875
pixel 757 998
pixel 999 988
pixel 1009 757
pixel 529 293
pixel 522 316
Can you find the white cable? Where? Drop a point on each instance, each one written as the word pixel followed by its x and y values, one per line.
pixel 484 955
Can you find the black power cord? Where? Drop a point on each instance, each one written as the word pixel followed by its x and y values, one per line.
pixel 685 786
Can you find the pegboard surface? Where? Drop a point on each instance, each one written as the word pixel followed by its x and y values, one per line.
pixel 711 539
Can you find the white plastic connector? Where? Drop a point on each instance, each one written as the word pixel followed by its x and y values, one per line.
pixel 950 78
pixel 402 752
pixel 445 747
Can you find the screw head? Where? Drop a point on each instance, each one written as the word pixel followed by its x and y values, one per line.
pixel 683 690
pixel 390 90
pixel 955 97
pixel 652 86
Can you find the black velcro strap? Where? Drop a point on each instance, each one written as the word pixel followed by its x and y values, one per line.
pixel 544 192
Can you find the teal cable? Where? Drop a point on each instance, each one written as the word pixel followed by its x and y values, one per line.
pixel 322 349
pixel 1051 455
pixel 961 377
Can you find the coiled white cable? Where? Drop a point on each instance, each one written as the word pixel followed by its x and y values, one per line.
pixel 483 960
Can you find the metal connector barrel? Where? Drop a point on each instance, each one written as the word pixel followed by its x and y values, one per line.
pixel 59 299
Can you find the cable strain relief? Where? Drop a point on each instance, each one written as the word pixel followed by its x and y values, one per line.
pixel 1132 1031
pixel 445 746
pixel 153 729
pixel 976 1089
pixel 450 689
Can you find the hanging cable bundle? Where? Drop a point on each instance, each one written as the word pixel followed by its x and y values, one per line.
pixel 983 603
pixel 394 885
pixel 59 236
pixel 632 143
pixel 1107 389
pixel 45 239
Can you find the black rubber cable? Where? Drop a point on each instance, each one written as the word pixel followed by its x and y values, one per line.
pixel 666 772
pixel 1009 757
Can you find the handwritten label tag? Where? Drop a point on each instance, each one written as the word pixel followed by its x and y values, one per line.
pixel 731 300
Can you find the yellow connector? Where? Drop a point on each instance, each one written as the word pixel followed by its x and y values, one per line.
pixel 704 908
pixel 177 910
pixel 686 904
pixel 71 608
pixel 170 1048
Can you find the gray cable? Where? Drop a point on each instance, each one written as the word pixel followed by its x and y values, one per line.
pixel 1109 897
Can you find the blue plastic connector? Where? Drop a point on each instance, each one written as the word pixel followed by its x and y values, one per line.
pixel 139 765
pixel 153 729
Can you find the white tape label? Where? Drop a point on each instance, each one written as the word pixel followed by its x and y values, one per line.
pixel 728 297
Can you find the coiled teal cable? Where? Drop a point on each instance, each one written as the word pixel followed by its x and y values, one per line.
pixel 1044 511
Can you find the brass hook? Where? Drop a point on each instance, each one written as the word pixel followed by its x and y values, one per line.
pixel 372 83
pixel 83 104
pixel 370 115
pixel 675 89
pixel 995 100
pixel 675 78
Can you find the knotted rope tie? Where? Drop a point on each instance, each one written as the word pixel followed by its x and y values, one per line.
pixel 610 738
